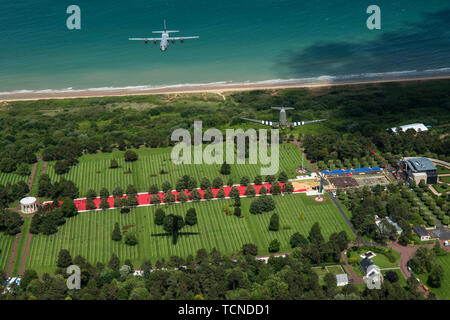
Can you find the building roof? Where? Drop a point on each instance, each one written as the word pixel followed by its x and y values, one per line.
pixel 342 278
pixel 395 224
pixel 28 200
pixel 420 231
pixel 365 264
pixel 418 127
pixel 420 164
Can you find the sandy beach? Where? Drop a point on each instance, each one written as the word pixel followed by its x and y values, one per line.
pixel 219 89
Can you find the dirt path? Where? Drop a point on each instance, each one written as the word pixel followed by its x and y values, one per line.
pixel 25 255
pixel 13 253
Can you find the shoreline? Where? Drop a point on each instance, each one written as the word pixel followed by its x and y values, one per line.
pixel 217 89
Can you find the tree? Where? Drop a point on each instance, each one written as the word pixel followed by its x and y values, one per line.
pixel 234 192
pixel 104 204
pixel 274 223
pixel 191 217
pixel 195 195
pixel 90 204
pixel 250 191
pixel 61 167
pixel 205 183
pixel 283 177
pixel 116 235
pixel 8 165
pixel 166 186
pixel 297 240
pixel 169 197
pixel 230 182
pixel 182 197
pixel 118 192
pixel 153 189
pixel 249 249
pixel 237 211
pixel 113 164
pixel 225 169
pixel 217 182
pixel 274 245
pixel 172 225
pixel 220 194
pixel 263 190
pixel 245 181
pixel 23 169
pixel 159 216
pixel 208 194
pixel 130 239
pixel 315 234
pixel 91 194
pixel 131 190
pixel 270 179
pixel 117 202
pixel 258 180
pixel 288 187
pixel 130 156
pixel 155 199
pixel 114 262
pixel 436 275
pixel 68 208
pixel 64 258
pixel 391 276
pixel 104 193
pixel 275 189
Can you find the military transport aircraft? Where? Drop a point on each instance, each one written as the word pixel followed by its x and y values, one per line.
pixel 283 123
pixel 165 38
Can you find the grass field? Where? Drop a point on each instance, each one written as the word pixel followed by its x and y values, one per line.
pixel 6 246
pixel 13 177
pixel 442 169
pixel 93 170
pixel 89 233
pixel 380 259
pixel 444 291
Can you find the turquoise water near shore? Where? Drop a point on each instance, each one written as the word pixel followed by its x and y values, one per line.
pixel 241 41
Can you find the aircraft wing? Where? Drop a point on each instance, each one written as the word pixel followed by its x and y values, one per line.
pixel 264 122
pixel 302 123
pixel 145 39
pixel 182 38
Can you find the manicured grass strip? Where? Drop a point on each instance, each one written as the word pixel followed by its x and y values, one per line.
pixel 20 250
pixel 6 246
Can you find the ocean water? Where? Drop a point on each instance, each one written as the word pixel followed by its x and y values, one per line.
pixel 240 41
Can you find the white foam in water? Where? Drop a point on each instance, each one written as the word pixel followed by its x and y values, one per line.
pixel 310 80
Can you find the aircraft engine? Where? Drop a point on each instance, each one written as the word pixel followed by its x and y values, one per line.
pixel 145 41
pixel 154 41
pixel 181 40
pixel 172 41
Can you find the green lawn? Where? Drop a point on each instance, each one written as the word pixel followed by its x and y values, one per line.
pixel 13 177
pixel 401 278
pixel 442 169
pixel 21 244
pixel 445 179
pixel 6 245
pixel 380 259
pixel 89 233
pixel 444 291
pixel 93 170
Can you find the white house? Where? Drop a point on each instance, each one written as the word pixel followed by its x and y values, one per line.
pixel 418 127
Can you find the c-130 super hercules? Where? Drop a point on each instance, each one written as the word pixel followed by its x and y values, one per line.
pixel 283 123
